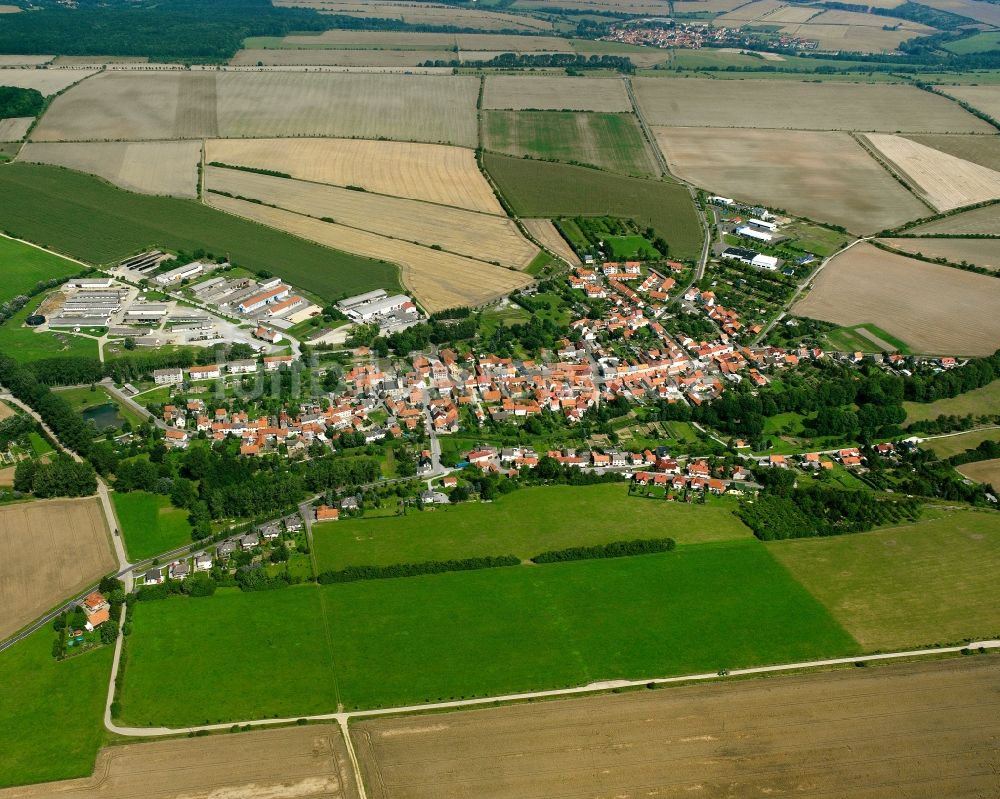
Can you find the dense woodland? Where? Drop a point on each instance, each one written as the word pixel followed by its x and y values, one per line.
pixel 18 102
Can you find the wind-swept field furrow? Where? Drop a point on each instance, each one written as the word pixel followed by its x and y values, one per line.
pixel 439 280
pixel 432 172
pixel 482 236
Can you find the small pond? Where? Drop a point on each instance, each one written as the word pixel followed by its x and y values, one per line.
pixel 103 416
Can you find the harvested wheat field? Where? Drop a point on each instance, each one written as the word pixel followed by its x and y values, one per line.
pixel 855 38
pixel 701 102
pixel 437 279
pixel 46 81
pixel 987 472
pixel 406 40
pixel 342 58
pixel 920 730
pixel 484 236
pixel 14 128
pixel 193 105
pixel 946 182
pixel 982 150
pixel 935 309
pixel 826 176
pixel 6 411
pixel 983 98
pixel 432 172
pixel 50 550
pixel 168 167
pixel 545 233
pixel 555 94
pixel 752 12
pixel 289 763
pixel 978 221
pixel 979 252
pixel 22 61
pixel 424 14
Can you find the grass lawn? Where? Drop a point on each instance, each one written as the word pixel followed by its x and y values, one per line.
pixel 150 524
pixel 473 633
pixel 89 219
pixel 39 444
pixel 946 446
pixel 50 712
pixel 524 523
pixel 27 345
pixel 983 401
pixel 609 141
pixel 230 656
pixel 540 189
pixel 23 266
pixel 816 239
pixel 930 582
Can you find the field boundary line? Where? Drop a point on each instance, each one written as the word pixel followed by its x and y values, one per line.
pixel 898 175
pixel 344 717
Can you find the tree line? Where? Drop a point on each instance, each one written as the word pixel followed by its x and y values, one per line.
pixel 615 549
pixel 355 573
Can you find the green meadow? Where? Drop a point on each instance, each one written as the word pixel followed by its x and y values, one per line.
pixel 400 641
pixel 150 524
pixel 50 711
pixel 523 523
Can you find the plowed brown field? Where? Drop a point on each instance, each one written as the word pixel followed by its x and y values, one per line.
pixel 923 731
pixel 49 551
pixel 292 763
pixel 934 309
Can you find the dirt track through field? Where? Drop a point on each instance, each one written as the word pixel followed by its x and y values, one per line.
pixel 290 763
pixel 49 550
pixel 934 309
pixel 924 730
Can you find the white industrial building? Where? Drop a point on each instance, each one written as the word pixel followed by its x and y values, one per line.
pixel 768 262
pixel 750 233
pixel 366 307
pixel 90 282
pixel 146 311
pixel 761 223
pixel 185 272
